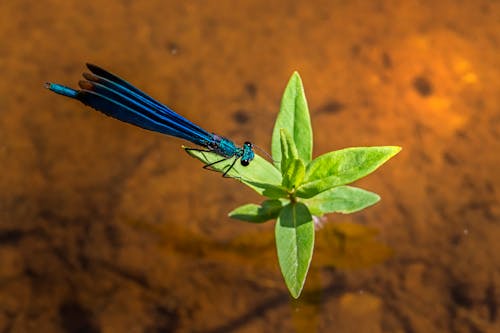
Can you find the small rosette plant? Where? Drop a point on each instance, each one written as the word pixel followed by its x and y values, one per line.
pixel 299 188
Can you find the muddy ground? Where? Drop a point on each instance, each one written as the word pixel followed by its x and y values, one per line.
pixel 105 227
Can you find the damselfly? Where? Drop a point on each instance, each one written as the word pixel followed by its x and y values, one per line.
pixel 119 99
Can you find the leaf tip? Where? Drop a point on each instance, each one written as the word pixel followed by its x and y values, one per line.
pixel 187 150
pixel 192 153
pixel 394 150
pixel 397 149
pixel 391 151
pixel 298 80
pixel 295 293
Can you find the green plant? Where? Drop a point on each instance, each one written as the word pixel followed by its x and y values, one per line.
pixel 298 187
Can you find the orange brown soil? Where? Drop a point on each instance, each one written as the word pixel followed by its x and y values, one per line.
pixel 108 228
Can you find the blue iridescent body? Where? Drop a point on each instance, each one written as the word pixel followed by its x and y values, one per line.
pixel 119 99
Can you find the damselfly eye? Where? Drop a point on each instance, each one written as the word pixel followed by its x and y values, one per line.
pixel 245 162
pixel 248 143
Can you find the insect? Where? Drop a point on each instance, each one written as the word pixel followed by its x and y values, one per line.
pixel 117 98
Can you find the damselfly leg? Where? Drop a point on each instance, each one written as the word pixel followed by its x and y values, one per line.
pixel 209 166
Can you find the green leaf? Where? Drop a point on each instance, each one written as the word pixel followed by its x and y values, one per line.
pixel 292 168
pixel 341 199
pixel 294 117
pixel 260 175
pixel 268 210
pixel 294 175
pixel 342 167
pixel 294 242
pixel 288 150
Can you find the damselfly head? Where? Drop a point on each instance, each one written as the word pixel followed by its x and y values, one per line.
pixel 248 153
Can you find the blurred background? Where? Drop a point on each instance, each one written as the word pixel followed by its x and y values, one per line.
pixel 105 227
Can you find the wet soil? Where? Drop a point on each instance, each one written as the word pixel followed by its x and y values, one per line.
pixel 105 227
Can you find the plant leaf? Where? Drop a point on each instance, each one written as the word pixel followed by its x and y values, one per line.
pixel 288 150
pixel 294 242
pixel 342 167
pixel 341 199
pixel 292 168
pixel 260 175
pixel 294 117
pixel 268 210
pixel 294 175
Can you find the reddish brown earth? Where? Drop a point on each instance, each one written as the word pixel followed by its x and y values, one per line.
pixel 108 228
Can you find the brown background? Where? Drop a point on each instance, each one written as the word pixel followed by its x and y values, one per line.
pixel 108 228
